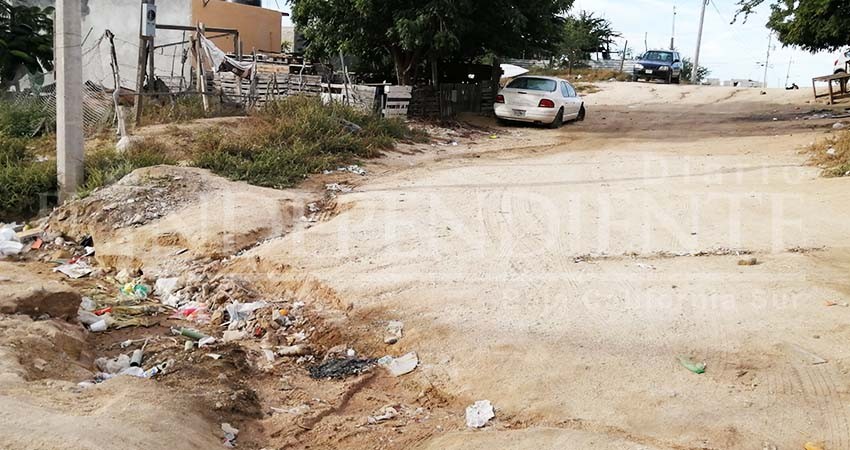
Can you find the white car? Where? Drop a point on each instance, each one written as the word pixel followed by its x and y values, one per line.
pixel 537 99
pixel 840 65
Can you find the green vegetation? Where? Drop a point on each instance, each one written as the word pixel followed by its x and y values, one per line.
pixel 290 139
pixel 410 32
pixel 26 41
pixel 105 165
pixel 277 146
pixel 584 34
pixel 24 119
pixel 184 109
pixel 812 25
pixel 23 179
pixel 688 68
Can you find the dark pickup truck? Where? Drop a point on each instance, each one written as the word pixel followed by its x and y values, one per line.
pixel 659 65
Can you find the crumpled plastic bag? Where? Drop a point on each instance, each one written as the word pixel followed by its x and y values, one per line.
pixel 9 243
pixel 239 313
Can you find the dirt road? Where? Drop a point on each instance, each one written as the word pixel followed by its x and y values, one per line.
pixel 560 274
pixel 562 280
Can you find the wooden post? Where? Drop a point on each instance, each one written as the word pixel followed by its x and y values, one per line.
pixel 623 58
pixel 829 83
pixel 144 49
pixel 202 78
pixel 69 98
pixel 116 94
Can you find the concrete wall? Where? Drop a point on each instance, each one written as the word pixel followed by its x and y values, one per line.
pixel 122 18
pixel 259 28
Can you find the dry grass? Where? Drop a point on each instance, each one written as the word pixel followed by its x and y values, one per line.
pixel 832 155
pixel 584 75
pixel 586 88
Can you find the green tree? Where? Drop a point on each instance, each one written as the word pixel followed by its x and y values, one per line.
pixel 688 68
pixel 812 25
pixel 26 41
pixel 413 31
pixel 584 34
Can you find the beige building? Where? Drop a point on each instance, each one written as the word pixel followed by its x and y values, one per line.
pixel 259 29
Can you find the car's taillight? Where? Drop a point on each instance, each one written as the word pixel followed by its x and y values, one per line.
pixel 500 98
pixel 546 103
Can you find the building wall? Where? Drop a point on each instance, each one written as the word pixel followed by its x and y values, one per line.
pixel 122 17
pixel 259 28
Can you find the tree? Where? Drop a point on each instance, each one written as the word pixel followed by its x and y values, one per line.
pixel 412 31
pixel 688 68
pixel 26 41
pixel 812 25
pixel 584 34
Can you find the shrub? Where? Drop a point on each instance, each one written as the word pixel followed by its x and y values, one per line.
pixel 106 165
pixel 24 119
pixel 23 180
pixel 184 108
pixel 289 139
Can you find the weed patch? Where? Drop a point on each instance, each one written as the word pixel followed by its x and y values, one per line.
pixel 583 75
pixel 105 165
pixel 185 108
pixel 287 140
pixel 24 181
pixel 832 155
pixel 24 119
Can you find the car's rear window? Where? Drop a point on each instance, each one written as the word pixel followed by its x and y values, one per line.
pixel 533 84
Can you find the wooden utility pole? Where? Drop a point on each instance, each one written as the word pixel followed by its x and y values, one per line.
pixel 695 70
pixel 145 54
pixel 69 97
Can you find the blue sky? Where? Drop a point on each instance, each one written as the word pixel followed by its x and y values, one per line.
pixel 729 51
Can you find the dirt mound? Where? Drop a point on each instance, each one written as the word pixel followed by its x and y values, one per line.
pixel 161 218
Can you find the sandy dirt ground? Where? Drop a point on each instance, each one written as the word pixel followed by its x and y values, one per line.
pixel 563 280
pixel 560 274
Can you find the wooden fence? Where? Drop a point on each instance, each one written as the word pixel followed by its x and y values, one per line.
pixel 267 86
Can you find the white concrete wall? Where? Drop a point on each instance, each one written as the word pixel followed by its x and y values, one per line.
pixel 122 18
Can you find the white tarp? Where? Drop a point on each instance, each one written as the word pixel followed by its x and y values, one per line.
pixel 510 71
pixel 223 63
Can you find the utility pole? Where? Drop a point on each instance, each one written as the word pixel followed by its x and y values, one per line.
pixel 673 34
pixel 69 97
pixel 788 74
pixel 767 60
pixel 695 72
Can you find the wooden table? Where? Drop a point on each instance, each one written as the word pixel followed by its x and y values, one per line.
pixel 841 78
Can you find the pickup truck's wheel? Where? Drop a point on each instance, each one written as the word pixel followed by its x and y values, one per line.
pixel 559 119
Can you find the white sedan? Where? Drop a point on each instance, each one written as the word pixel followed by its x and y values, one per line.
pixel 537 99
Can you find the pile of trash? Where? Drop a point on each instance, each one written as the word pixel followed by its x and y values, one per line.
pixel 137 199
pixel 129 305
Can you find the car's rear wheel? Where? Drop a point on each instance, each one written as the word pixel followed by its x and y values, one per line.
pixel 581 113
pixel 559 119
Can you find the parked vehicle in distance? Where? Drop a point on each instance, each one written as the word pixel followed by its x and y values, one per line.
pixel 663 65
pixel 840 64
pixel 538 99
